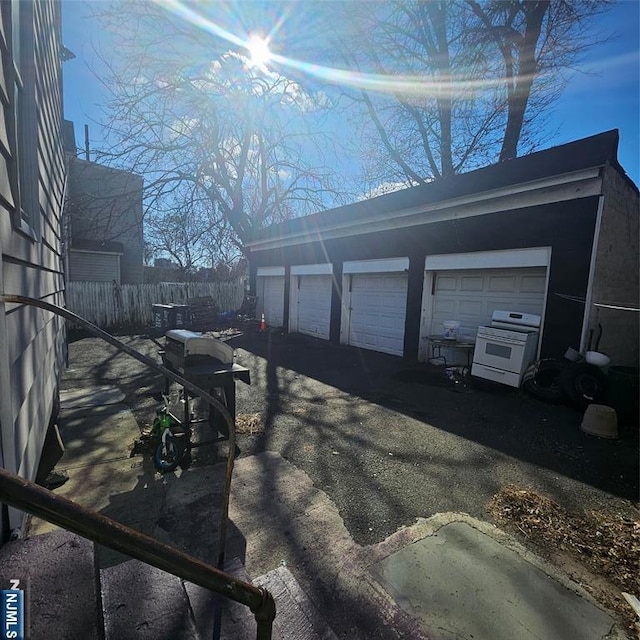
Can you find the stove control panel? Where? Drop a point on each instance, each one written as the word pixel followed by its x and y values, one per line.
pixel 516 318
pixel 508 334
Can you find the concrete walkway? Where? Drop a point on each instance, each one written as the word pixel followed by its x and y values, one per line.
pixel 98 435
pixel 462 583
pixel 449 576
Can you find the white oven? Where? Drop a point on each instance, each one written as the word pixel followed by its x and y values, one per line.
pixel 506 348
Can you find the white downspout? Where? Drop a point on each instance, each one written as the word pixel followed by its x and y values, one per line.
pixel 588 303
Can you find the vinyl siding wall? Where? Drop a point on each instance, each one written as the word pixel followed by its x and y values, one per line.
pixel 31 340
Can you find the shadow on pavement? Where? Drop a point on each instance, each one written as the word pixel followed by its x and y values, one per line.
pixel 495 416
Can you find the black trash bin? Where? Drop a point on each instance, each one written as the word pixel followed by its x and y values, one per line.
pixel 182 316
pixel 164 317
pixel 623 396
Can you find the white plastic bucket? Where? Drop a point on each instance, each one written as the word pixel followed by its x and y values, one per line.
pixel 600 420
pixel 451 329
pixel 597 359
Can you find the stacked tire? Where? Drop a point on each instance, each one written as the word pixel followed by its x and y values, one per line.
pixel 542 379
pixel 559 380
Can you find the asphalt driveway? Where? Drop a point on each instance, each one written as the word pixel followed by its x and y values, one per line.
pixel 390 443
pixel 387 442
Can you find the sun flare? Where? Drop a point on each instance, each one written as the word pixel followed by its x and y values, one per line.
pixel 258 48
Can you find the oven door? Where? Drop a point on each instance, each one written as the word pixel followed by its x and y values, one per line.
pixel 499 353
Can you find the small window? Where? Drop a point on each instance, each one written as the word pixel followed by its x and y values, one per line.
pixel 25 123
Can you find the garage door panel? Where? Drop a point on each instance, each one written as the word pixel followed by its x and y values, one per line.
pixel 370 339
pixel 469 283
pixel 524 305
pixel 378 304
pixel 314 305
pixel 446 284
pixel 507 303
pixel 502 283
pixel 444 307
pixel 394 346
pixel 470 308
pixel 533 284
pixel 390 324
pixel 471 298
pixel 392 298
pixel 273 300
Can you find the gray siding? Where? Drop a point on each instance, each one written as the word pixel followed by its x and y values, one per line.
pixel 31 172
pixel 105 205
pixel 616 275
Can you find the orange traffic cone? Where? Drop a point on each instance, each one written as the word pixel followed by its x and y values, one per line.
pixel 263 324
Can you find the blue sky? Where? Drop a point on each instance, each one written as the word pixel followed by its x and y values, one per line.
pixel 603 95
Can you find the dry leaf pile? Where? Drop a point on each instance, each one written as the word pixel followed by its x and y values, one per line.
pixel 249 423
pixel 607 543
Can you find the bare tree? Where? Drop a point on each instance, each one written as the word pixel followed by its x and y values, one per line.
pixel 189 230
pixel 210 130
pixel 537 40
pixel 484 74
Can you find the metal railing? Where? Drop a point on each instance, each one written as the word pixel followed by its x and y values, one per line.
pixel 130 541
pixel 45 504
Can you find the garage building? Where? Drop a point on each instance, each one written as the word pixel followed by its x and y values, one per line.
pixel 554 233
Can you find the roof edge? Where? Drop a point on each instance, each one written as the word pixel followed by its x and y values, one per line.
pixel 579 155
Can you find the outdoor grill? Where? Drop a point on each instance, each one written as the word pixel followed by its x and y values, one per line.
pixel 209 364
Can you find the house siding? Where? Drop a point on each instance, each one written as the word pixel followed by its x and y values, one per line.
pixel 616 273
pixel 567 227
pixel 31 340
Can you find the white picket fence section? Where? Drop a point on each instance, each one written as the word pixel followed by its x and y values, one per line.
pixel 110 305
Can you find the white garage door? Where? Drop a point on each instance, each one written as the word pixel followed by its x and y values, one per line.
pixel 313 305
pixel 471 296
pixel 273 300
pixel 378 309
pixel 94 267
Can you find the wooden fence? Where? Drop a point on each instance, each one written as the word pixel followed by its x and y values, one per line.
pixel 110 305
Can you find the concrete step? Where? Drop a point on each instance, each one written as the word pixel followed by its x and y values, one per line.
pixel 57 572
pixel 237 622
pixel 141 602
pixel 135 601
pixel 297 618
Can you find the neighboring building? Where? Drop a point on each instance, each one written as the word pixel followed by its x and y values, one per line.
pixel 553 233
pixel 173 272
pixel 104 209
pixel 163 270
pixel 155 275
pixel 165 263
pixel 32 181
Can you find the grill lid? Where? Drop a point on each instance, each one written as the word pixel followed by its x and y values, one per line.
pixel 195 344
